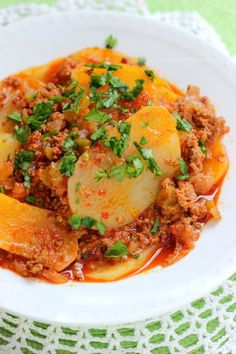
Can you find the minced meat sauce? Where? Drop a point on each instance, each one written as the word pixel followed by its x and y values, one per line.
pixel 51 128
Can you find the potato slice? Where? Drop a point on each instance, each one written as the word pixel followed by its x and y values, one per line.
pixel 8 147
pixel 218 164
pixel 102 271
pixel 33 233
pixel 122 201
pixel 159 90
pixel 100 55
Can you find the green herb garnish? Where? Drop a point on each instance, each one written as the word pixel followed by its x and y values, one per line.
pixel 147 155
pixel 182 124
pixel 155 227
pixel 67 163
pixel 119 249
pixel 49 134
pixel 15 116
pixel 141 61
pixel 150 74
pixel 87 222
pixel 111 42
pixel 108 67
pixel 97 116
pixel 23 160
pixel 134 92
pixel 202 145
pixel 69 142
pixel 2 190
pixel 30 200
pixel 143 140
pixel 21 133
pixel 183 167
pixel 41 113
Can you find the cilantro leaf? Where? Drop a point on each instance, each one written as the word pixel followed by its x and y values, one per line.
pixel 99 134
pixel 22 161
pixel 150 74
pixel 87 222
pixel 100 174
pixel 111 42
pixel 134 166
pixel 182 124
pixel 134 92
pixel 74 92
pixel 143 140
pixel 147 154
pixel 67 163
pixel 41 113
pixel 21 133
pixel 108 67
pixel 15 116
pixel 118 172
pixel 202 145
pixel 97 116
pixel 183 167
pixel 98 81
pixel 69 143
pixel 141 61
pixel 155 227
pixel 119 249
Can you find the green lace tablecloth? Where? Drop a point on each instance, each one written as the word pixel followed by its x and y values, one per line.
pixel 207 325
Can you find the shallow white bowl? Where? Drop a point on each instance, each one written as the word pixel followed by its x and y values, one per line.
pixel 183 59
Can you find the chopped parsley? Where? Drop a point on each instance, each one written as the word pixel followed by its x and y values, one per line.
pixel 182 124
pixel 2 189
pixel 155 227
pixel 69 142
pixel 30 200
pixel 150 74
pixel 23 160
pixel 108 67
pixel 98 81
pixel 183 168
pixel 117 145
pixel 119 249
pixel 21 133
pixel 147 155
pixel 74 92
pixel 49 134
pixel 87 222
pixel 67 163
pixel 134 92
pixel 15 116
pixel 99 134
pixel 143 140
pixel 202 145
pixel 134 166
pixel 97 116
pixel 41 113
pixel 141 61
pixel 111 42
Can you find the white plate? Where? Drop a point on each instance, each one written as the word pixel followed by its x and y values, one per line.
pixel 183 59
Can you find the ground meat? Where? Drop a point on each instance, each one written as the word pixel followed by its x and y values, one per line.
pixel 63 73
pixel 201 114
pixel 18 192
pixel 186 195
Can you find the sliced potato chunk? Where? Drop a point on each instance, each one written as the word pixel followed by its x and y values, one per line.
pixel 33 233
pixel 218 164
pixel 8 147
pixel 122 201
pixel 102 271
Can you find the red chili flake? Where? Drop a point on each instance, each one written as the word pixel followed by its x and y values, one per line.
pixel 105 214
pixel 87 204
pixel 101 192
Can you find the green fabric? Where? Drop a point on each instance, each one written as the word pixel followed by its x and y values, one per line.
pixel 221 14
